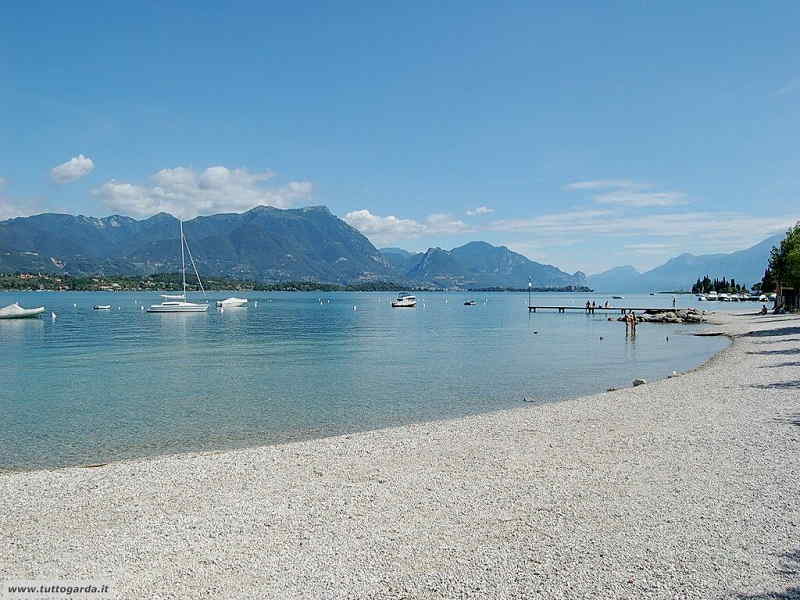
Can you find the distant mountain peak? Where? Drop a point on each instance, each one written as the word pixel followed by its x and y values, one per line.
pixel 680 272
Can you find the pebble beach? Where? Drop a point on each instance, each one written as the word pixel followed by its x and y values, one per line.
pixel 680 488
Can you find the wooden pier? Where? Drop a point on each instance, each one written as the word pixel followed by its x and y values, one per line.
pixel 603 309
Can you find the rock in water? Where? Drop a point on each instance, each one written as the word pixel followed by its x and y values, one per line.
pixel 637 382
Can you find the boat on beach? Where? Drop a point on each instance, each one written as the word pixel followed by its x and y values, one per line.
pixel 176 303
pixel 15 311
pixel 404 301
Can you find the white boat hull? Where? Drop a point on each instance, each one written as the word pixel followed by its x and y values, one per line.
pixel 401 304
pixel 15 311
pixel 232 302
pixel 177 307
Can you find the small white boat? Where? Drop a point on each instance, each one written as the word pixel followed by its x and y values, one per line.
pixel 701 298
pixel 102 307
pixel 470 303
pixel 15 311
pixel 405 302
pixel 231 302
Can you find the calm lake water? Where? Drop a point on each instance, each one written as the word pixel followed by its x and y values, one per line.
pixel 94 386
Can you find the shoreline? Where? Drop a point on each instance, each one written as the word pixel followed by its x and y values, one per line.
pixel 712 319
pixel 683 487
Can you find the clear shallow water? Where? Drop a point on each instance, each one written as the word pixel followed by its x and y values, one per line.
pixel 94 386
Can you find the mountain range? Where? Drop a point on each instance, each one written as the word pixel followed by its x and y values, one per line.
pixel 264 244
pixel 679 273
pixel 312 244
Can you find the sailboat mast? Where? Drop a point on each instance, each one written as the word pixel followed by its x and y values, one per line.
pixel 183 261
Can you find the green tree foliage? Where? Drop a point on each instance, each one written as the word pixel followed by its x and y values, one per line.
pixel 767 284
pixel 721 286
pixel 784 261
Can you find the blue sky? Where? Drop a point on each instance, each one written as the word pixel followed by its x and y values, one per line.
pixel 581 135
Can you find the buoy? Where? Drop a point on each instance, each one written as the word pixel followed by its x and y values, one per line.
pixel 354 307
pixel 53 316
pixel 75 305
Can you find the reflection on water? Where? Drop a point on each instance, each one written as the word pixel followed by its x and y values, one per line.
pixel 94 386
pixel 12 330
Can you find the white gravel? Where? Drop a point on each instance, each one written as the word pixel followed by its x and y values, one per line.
pixel 683 488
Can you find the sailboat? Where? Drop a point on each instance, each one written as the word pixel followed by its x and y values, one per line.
pixel 176 303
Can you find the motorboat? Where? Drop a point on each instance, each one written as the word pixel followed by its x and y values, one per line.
pixel 15 311
pixel 712 295
pixel 701 298
pixel 102 307
pixel 404 302
pixel 470 302
pixel 176 303
pixel 618 297
pixel 231 302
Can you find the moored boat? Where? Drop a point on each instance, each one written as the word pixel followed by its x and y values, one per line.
pixel 177 307
pixel 231 302
pixel 102 307
pixel 15 311
pixel 404 301
pixel 470 302
pixel 176 303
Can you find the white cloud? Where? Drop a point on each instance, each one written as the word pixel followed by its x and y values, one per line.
pixel 386 230
pixel 641 199
pixel 603 184
pixel 720 230
pixel 444 223
pixel 791 86
pixel 187 193
pixel 624 192
pixel 648 246
pixel 75 168
pixel 481 210
pixel 11 208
